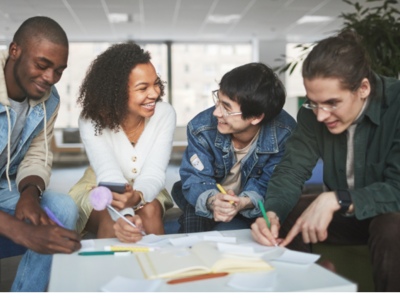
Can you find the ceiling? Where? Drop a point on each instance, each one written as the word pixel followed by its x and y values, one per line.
pixel 180 20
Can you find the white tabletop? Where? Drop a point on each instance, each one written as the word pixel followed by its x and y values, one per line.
pixel 74 273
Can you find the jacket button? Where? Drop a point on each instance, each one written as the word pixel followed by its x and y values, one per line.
pixel 216 172
pixel 134 158
pixel 134 171
pixel 259 172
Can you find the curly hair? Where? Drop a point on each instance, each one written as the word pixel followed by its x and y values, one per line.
pixel 104 92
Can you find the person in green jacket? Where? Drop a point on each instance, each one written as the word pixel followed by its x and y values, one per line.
pixel 352 121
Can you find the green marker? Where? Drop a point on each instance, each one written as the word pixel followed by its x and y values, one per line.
pixel 90 253
pixel 265 216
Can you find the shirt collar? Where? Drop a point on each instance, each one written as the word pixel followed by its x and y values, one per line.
pixel 373 111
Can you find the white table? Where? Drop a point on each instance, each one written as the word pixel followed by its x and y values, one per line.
pixel 74 273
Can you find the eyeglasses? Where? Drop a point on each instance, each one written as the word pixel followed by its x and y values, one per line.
pixel 325 107
pixel 217 103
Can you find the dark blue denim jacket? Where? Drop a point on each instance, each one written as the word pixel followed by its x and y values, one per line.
pixel 215 152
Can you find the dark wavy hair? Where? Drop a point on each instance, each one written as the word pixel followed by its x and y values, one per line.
pixel 342 57
pixel 104 92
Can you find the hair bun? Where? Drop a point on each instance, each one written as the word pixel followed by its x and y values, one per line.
pixel 350 36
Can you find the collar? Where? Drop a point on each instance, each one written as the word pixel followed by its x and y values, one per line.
pixel 373 111
pixel 266 142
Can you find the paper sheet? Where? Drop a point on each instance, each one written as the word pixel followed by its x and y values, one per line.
pixel 152 239
pixel 123 284
pixel 186 241
pixel 259 248
pixel 298 257
pixel 253 282
pixel 235 249
pixel 87 245
pixel 201 235
pixel 221 239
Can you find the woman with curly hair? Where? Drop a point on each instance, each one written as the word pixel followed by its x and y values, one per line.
pixel 127 133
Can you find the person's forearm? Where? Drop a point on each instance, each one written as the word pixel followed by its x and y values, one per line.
pixel 246 203
pixel 31 191
pixel 210 203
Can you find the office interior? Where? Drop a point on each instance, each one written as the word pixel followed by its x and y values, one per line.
pixel 192 43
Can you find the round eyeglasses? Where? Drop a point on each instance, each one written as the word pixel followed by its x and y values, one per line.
pixel 218 103
pixel 325 107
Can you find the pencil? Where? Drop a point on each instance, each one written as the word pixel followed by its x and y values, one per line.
pixel 223 192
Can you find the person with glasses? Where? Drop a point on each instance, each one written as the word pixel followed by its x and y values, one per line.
pixel 352 121
pixel 236 144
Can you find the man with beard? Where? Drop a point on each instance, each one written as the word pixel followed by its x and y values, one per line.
pixel 29 104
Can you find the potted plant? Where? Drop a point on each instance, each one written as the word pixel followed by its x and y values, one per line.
pixel 379 28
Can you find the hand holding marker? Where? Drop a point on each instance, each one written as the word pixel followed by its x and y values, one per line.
pixel 101 197
pixel 265 216
pixel 225 193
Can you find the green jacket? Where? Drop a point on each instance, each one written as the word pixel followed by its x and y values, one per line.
pixel 376 157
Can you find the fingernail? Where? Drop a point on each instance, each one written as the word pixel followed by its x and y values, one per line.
pixel 140 227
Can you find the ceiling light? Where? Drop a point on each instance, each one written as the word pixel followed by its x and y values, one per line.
pixel 118 18
pixel 314 19
pixel 223 19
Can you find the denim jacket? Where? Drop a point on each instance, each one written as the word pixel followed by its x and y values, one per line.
pixel 33 164
pixel 215 152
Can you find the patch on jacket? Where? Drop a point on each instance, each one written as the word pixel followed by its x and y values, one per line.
pixel 196 162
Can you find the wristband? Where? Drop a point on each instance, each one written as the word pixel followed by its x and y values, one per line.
pixel 142 202
pixel 344 200
pixel 35 185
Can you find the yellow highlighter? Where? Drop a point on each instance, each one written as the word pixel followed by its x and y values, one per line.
pixel 132 249
pixel 223 192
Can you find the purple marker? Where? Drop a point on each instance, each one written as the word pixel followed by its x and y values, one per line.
pixel 52 216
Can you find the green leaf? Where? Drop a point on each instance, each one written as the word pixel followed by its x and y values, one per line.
pixel 292 69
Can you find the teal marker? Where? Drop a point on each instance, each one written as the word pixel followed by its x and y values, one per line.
pixel 90 253
pixel 265 216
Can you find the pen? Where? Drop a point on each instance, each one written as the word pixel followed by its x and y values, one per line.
pixel 265 216
pixel 198 277
pixel 223 192
pixel 132 249
pixel 119 214
pixel 93 253
pixel 53 217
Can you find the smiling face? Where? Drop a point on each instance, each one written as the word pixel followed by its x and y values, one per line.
pixel 329 91
pixel 144 90
pixel 38 66
pixel 231 124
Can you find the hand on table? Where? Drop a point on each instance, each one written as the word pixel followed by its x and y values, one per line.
pixel 125 232
pixel 262 234
pixel 47 239
pixel 314 222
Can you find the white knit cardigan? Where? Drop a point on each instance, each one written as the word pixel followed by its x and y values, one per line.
pixel 114 159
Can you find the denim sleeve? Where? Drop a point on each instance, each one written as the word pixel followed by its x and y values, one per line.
pixel 201 209
pixel 256 188
pixel 197 182
pixel 256 211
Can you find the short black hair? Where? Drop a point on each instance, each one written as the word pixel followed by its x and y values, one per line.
pixel 38 28
pixel 256 88
pixel 104 93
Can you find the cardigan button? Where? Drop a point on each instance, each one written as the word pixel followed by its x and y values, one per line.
pixel 132 180
pixel 134 158
pixel 134 171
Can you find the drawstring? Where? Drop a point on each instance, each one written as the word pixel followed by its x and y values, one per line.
pixel 45 134
pixel 8 147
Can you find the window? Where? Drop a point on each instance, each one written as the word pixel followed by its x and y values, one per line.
pixel 191 92
pixel 80 57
